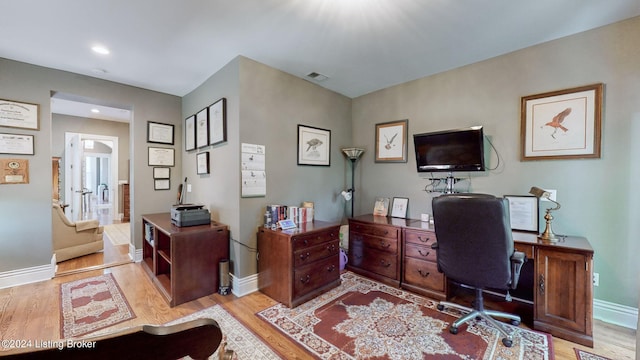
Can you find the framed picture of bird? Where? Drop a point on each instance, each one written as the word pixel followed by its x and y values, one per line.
pixel 563 124
pixel 391 141
pixel 314 146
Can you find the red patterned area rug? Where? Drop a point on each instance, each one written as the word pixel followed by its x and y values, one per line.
pixel 585 355
pixel 91 304
pixel 363 319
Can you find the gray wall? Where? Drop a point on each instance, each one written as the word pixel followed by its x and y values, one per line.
pixel 25 241
pixel 264 107
pixel 598 196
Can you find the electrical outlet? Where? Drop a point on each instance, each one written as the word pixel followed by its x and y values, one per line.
pixel 596 279
pixel 188 187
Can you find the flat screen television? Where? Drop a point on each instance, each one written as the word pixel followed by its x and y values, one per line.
pixel 450 150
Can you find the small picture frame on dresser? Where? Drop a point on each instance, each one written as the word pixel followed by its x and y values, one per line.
pixel 381 206
pixel 399 207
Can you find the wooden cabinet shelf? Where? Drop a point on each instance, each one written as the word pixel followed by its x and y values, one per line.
pixel 183 261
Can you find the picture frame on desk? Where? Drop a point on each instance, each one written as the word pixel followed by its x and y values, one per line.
pixel 381 206
pixel 399 207
pixel 523 212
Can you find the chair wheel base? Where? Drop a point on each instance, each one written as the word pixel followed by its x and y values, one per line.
pixel 440 307
pixel 453 330
pixel 515 322
pixel 506 342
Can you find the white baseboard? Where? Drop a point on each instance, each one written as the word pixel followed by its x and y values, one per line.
pixel 135 254
pixel 28 275
pixel 244 286
pixel 616 314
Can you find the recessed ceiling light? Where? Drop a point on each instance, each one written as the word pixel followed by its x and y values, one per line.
pixel 95 111
pixel 100 50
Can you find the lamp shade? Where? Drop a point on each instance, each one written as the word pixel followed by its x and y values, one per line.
pixel 353 153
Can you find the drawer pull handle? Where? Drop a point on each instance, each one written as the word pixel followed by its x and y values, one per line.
pixel 305 241
pixel 425 274
pixel 384 244
pixel 541 284
pixel 427 254
pixel 358 256
pixel 424 240
pixel 305 280
pixel 384 264
pixel 304 256
pixel 331 268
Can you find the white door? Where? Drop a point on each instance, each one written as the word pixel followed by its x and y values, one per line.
pixel 73 156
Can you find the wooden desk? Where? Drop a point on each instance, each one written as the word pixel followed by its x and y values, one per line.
pixel 560 287
pixel 183 261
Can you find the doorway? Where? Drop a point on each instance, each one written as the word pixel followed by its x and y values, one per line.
pixel 91 177
pixel 92 142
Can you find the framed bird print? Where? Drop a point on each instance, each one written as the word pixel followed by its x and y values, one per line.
pixel 391 141
pixel 314 146
pixel 564 124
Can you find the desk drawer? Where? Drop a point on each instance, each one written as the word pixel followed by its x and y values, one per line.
pixel 526 249
pixel 423 274
pixel 314 253
pixel 312 276
pixel 420 252
pixel 389 232
pixel 374 242
pixel 379 262
pixel 426 238
pixel 307 240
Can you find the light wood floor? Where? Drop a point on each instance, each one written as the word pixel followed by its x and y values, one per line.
pixel 32 312
pixel 112 255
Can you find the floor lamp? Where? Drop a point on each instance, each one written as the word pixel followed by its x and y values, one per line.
pixel 353 154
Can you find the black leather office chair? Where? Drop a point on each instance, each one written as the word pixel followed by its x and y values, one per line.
pixel 475 248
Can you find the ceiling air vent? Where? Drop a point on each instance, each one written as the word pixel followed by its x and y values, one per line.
pixel 317 76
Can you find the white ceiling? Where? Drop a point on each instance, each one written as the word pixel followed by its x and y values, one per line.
pixel 361 45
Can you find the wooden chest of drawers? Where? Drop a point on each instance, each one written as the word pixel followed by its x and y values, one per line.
pixel 297 265
pixel 374 250
pixel 420 269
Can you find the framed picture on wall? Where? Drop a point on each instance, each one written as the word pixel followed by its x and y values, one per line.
pixel 314 146
pixel 161 172
pixel 18 114
pixel 161 184
pixel 161 156
pixel 190 133
pixel 563 124
pixel 202 163
pixel 218 122
pixel 391 141
pixel 202 128
pixel 159 133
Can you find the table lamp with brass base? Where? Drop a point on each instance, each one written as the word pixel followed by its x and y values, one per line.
pixel 547 234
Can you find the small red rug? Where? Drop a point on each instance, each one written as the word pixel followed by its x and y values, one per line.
pixel 363 319
pixel 585 355
pixel 91 304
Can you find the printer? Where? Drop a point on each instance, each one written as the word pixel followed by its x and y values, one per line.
pixel 189 215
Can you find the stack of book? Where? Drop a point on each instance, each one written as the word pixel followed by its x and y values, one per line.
pixel 299 214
